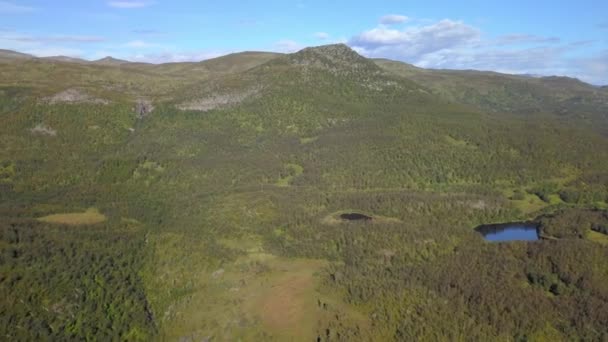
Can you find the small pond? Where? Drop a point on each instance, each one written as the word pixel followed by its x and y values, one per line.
pixel 516 231
pixel 355 217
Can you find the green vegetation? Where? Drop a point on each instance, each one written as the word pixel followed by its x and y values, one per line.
pixel 61 283
pixel 291 171
pixel 219 220
pixel 91 216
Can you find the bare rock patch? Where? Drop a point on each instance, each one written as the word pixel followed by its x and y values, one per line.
pixel 43 130
pixel 143 108
pixel 216 101
pixel 74 96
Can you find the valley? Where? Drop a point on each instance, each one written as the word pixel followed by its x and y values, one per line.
pixel 317 195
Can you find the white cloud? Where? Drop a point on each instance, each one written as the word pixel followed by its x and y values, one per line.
pixel 287 46
pixel 449 44
pixel 536 60
pixel 129 4
pixel 51 39
pixel 593 69
pixel 52 45
pixel 24 41
pixel 139 44
pixel 525 39
pixel 54 51
pixel 322 35
pixel 393 19
pixel 9 7
pixel 415 41
pixel 175 56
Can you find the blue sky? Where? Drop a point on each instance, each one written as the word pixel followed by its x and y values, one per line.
pixel 536 37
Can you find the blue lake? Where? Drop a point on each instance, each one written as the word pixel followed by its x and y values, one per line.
pixel 519 231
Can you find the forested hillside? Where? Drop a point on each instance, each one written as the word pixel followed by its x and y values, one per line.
pixel 203 200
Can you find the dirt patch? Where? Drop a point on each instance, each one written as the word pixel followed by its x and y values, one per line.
pixel 282 309
pixel 91 216
pixel 218 101
pixel 288 304
pixel 74 96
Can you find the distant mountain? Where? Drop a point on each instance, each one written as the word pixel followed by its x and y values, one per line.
pixel 531 75
pixel 333 58
pixel 9 54
pixel 496 92
pixel 110 61
pixel 238 62
pixel 65 59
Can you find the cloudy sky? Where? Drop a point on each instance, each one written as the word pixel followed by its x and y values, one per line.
pixel 534 37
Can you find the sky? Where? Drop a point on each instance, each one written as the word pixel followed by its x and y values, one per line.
pixel 558 37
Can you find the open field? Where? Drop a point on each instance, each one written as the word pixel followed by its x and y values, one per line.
pixel 90 216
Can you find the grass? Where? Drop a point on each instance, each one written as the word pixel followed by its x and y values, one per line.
pixel 294 170
pixel 286 302
pixel 458 142
pixel 308 140
pixel 530 204
pixel 258 297
pixel 597 237
pixel 91 216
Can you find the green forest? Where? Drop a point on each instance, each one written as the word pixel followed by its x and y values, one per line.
pixel 202 201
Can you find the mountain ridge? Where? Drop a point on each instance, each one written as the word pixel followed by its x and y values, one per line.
pixel 109 60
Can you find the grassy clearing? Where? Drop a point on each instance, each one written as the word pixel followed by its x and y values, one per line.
pixel 293 171
pixel 530 203
pixel 285 301
pixel 597 237
pixel 601 205
pixel 308 140
pixel 259 296
pixel 91 216
pixel 458 142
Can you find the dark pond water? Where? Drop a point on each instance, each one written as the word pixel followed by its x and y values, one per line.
pixel 355 217
pixel 517 231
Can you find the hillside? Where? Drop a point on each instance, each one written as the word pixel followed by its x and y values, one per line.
pixel 494 92
pixel 193 201
pixel 8 55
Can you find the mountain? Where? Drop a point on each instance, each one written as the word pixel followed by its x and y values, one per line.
pixel 65 59
pixel 219 200
pixel 9 55
pixel 110 61
pixel 497 92
pixel 238 62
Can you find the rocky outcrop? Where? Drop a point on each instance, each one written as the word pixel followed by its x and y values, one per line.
pixel 143 108
pixel 43 130
pixel 74 96
pixel 218 100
